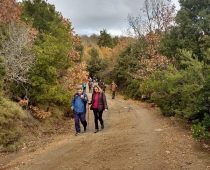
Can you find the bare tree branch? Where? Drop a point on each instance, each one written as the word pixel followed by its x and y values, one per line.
pixel 157 15
pixel 17 54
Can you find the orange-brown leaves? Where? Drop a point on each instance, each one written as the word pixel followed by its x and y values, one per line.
pixel 75 52
pixel 75 75
pixel 106 52
pixel 23 102
pixel 74 55
pixel 122 45
pixel 38 113
pixel 155 61
pixel 9 11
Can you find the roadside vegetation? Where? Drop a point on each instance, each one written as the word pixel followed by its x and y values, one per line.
pixel 165 60
pixel 169 63
pixel 38 52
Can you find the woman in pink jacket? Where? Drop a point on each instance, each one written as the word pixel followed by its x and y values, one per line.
pixel 98 105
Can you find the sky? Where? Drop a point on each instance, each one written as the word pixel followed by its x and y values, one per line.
pixel 91 16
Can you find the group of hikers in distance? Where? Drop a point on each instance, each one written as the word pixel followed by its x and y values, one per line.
pixel 98 103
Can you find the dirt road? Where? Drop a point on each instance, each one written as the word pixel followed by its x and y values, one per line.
pixel 135 137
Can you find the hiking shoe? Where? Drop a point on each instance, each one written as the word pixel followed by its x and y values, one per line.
pixel 96 131
pixel 77 133
pixel 102 127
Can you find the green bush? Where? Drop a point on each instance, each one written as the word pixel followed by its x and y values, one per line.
pixel 96 64
pixel 106 40
pixel 128 64
pixel 178 91
pixel 183 88
pixel 52 48
pixel 201 130
pixel 133 90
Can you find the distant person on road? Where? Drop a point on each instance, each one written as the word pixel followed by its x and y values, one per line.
pixel 98 105
pixel 78 105
pixel 113 89
pixel 84 87
pixel 90 85
pixel 95 83
pixel 102 85
pixel 94 78
pixel 90 79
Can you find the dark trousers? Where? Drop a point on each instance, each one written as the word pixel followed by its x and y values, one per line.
pixel 98 116
pixel 113 94
pixel 80 117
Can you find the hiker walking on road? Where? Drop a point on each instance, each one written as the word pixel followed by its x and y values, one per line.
pixel 102 85
pixel 90 85
pixel 84 86
pixel 113 89
pixel 95 83
pixel 78 105
pixel 90 79
pixel 98 105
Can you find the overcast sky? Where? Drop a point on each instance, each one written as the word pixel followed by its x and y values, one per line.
pixel 91 16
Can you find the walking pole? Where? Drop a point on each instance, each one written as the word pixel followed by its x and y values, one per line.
pixel 88 117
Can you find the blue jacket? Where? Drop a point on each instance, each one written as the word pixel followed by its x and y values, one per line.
pixel 79 104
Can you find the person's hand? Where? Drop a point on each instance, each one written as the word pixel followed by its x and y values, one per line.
pixel 82 96
pixel 72 107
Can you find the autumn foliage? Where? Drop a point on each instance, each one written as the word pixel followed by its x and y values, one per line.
pixel 40 64
pixel 9 11
pixel 102 62
pixel 155 61
pixel 169 63
pixel 39 113
pixel 75 76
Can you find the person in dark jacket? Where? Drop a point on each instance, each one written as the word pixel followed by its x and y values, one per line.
pixel 78 105
pixel 90 85
pixel 98 105
pixel 102 85
pixel 113 89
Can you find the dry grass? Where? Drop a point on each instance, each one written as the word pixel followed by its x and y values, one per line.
pixel 11 118
pixel 19 128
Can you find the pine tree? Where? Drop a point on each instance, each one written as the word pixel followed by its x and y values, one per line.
pixel 105 40
pixel 192 31
pixel 96 63
pixel 54 49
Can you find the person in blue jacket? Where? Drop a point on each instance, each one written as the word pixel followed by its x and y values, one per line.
pixel 78 105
